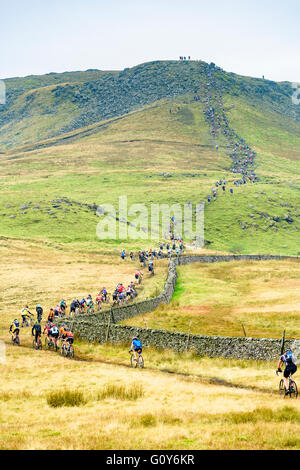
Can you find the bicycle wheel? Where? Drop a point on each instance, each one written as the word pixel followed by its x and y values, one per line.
pixel 71 352
pixel 281 388
pixel 293 390
pixel 141 362
pixel 133 361
pixel 33 344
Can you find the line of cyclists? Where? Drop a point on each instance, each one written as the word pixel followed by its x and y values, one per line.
pixel 52 332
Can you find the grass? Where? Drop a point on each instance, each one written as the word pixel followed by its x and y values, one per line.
pixel 190 411
pixel 218 298
pixel 179 401
pixel 61 398
pixel 121 392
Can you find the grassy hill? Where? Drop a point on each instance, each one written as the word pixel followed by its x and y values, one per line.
pixel 152 155
pixel 52 104
pixel 70 142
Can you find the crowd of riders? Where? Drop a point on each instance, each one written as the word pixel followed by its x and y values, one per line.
pixel 120 295
pixel 210 94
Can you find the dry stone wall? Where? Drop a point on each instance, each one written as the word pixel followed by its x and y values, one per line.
pixel 102 327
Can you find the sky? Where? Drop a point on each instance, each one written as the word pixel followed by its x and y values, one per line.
pixel 254 38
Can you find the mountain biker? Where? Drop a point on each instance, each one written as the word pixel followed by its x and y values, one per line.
pixel 25 314
pixel 54 333
pixel 99 300
pixel 104 293
pixel 89 302
pixel 82 304
pixel 137 275
pixel 151 267
pixel 36 332
pixel 62 331
pixel 15 328
pixel 123 254
pixel 69 337
pixel 47 329
pixel 57 311
pixel 39 312
pixel 51 315
pixel 136 347
pixel 290 367
pixel 63 306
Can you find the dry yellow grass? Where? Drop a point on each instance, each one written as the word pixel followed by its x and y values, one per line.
pixel 176 411
pixel 185 403
pixel 34 272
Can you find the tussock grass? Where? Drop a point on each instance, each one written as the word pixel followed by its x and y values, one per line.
pixel 66 398
pixel 267 415
pixel 10 395
pixel 148 420
pixel 121 392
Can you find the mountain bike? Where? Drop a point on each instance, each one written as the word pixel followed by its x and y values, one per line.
pixel 139 362
pixel 292 391
pixel 27 321
pixel 37 345
pixel 67 349
pixel 15 338
pixel 50 343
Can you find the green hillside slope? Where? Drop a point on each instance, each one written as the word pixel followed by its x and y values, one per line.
pixel 46 106
pixel 156 156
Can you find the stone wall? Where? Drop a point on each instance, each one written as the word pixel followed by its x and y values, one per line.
pixel 209 346
pixel 101 327
pixel 118 314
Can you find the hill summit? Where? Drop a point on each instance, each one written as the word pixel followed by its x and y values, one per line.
pixel 41 107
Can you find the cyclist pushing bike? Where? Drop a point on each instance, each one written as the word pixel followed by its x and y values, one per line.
pixel 290 368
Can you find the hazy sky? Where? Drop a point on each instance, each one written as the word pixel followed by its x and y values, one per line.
pixel 254 38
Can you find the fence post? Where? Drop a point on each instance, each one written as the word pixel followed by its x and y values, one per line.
pixel 244 330
pixel 282 342
pixel 188 338
pixel 107 331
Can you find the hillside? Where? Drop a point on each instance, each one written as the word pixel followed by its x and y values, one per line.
pixel 46 106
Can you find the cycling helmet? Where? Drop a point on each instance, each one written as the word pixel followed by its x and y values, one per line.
pixel 16 320
pixel 38 305
pixel 135 337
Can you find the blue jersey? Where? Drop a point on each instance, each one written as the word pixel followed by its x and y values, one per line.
pixel 137 344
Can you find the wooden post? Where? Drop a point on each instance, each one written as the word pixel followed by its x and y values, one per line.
pixel 107 331
pixel 282 342
pixel 244 330
pixel 188 338
pixel 104 315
